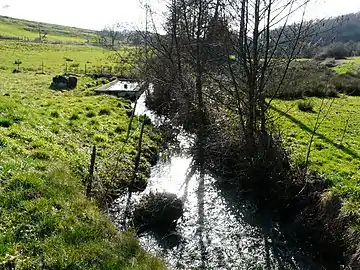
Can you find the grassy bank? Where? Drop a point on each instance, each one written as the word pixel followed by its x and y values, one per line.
pixel 45 139
pixel 335 151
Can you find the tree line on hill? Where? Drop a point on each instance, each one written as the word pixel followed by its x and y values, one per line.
pixel 337 38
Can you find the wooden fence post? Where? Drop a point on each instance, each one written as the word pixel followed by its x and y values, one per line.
pixel 91 173
pixel 131 120
pixel 136 168
pixel 138 155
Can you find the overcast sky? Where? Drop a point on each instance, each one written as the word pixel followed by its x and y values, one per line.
pixel 97 14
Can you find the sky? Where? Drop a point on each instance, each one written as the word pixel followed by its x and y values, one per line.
pixel 98 14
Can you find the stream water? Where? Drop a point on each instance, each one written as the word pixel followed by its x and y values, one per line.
pixel 216 232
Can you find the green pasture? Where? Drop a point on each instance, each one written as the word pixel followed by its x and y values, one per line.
pixel 45 140
pixel 23 29
pixel 57 58
pixel 335 151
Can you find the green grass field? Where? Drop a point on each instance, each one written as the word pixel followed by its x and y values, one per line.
pixel 45 140
pixel 59 58
pixel 349 65
pixel 18 28
pixel 335 151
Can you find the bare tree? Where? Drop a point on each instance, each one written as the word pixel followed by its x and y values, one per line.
pixel 264 46
pixel 222 56
pixel 112 32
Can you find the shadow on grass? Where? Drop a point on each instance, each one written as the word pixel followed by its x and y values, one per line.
pixel 306 128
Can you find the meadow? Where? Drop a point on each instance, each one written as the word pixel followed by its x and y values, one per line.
pixel 349 65
pixel 17 28
pixel 45 140
pixel 59 58
pixel 335 150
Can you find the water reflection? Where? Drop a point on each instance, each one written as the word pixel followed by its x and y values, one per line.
pixel 217 230
pixel 215 233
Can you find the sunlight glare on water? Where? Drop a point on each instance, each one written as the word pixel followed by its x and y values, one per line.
pixel 225 234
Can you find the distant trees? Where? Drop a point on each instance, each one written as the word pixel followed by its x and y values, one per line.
pixel 336 50
pixel 110 34
pixel 337 37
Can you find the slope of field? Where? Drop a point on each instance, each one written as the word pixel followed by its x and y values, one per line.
pixel 59 58
pixel 335 151
pixel 45 139
pixel 11 27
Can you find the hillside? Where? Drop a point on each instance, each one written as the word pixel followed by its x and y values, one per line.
pixel 29 30
pixel 346 28
pixel 24 30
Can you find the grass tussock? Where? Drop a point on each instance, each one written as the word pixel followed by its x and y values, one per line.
pixel 6 122
pixel 306 106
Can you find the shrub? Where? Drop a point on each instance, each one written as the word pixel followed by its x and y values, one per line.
pixel 55 130
pixel 318 89
pixel 347 84
pixel 329 62
pixel 18 63
pixel 306 106
pixel 332 93
pixel 100 138
pixel 3 142
pixel 305 79
pixel 119 129
pixel 93 122
pixel 336 51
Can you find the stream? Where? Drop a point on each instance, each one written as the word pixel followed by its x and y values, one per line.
pixel 216 231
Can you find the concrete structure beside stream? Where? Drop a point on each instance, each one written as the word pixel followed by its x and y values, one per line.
pixel 130 89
